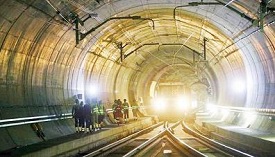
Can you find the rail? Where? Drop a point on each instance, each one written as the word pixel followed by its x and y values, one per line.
pixel 145 144
pixel 166 131
pixel 119 142
pixel 190 149
pixel 221 146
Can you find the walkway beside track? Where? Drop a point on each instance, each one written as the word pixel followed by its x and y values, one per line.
pixel 80 142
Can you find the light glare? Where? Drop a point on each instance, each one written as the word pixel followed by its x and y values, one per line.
pixel 160 104
pixel 181 103
pixel 238 86
pixel 225 113
pixel 249 118
pixel 211 108
pixel 93 91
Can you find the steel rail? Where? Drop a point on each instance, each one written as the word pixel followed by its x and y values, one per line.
pixel 216 144
pixel 161 134
pixel 121 141
pixel 185 146
pixel 145 144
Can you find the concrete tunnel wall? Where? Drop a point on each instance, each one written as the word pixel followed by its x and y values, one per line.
pixel 42 69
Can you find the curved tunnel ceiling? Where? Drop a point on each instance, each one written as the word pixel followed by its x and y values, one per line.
pixel 41 63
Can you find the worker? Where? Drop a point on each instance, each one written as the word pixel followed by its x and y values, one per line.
pixel 82 116
pixel 76 113
pixel 118 112
pixel 87 115
pixel 125 110
pixel 101 114
pixel 95 114
pixel 114 109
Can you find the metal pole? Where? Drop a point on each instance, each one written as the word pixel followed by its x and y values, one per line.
pixel 204 48
pixel 76 31
pixel 119 45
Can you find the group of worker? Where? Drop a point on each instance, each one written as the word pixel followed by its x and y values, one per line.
pixel 121 111
pixel 89 116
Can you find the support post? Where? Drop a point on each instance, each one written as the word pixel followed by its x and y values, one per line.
pixel 76 30
pixel 263 11
pixel 204 48
pixel 120 46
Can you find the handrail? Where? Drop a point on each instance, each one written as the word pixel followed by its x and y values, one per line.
pixel 261 111
pixel 44 118
pixel 109 110
pixel 35 119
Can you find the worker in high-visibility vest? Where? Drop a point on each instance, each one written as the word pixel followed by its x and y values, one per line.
pixel 101 114
pixel 95 115
pixel 125 106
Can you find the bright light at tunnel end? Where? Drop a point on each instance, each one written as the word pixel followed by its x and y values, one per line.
pixel 181 103
pixel 159 104
pixel 164 104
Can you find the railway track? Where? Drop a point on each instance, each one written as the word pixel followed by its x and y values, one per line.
pixel 204 145
pixel 163 140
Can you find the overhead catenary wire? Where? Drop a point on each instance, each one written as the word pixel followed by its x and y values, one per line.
pixel 253 32
pixel 57 11
pixel 226 5
pixel 182 47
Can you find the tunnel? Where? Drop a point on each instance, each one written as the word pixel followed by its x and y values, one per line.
pixel 221 51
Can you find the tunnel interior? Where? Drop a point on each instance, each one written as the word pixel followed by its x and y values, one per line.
pixel 52 51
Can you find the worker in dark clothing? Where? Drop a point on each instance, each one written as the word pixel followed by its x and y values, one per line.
pixel 76 113
pixel 81 119
pixel 87 115
pixel 101 114
pixel 125 110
